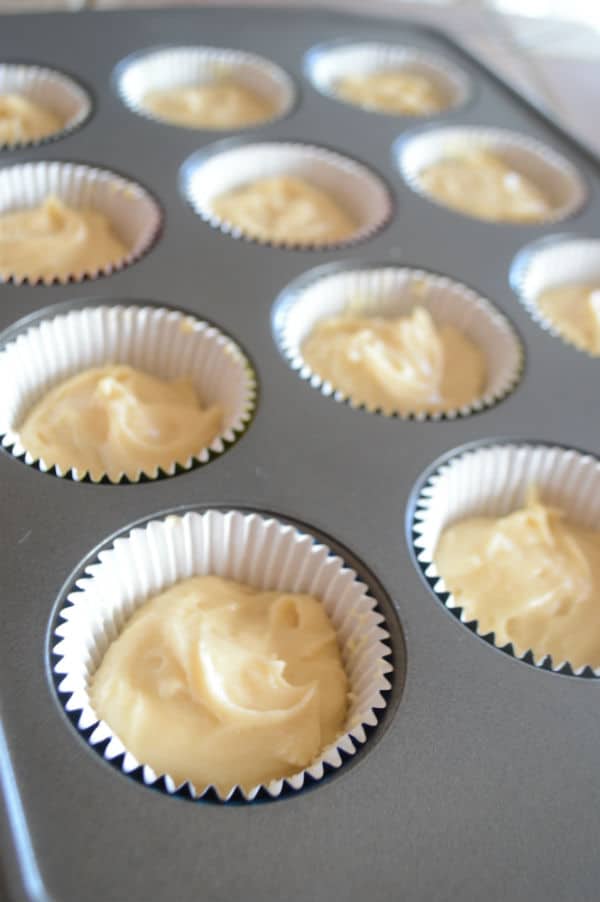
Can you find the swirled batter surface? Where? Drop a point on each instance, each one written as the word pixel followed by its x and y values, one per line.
pixel 574 309
pixel 55 241
pixel 116 420
pixel 21 120
pixel 392 91
pixel 219 683
pixel 484 186
pixel 220 104
pixel 399 365
pixel 532 577
pixel 285 209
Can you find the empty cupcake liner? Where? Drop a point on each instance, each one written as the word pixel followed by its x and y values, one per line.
pixel 250 548
pixel 553 261
pixel 358 190
pixel 391 291
pixel 52 90
pixel 325 65
pixel 170 67
pixel 550 171
pixel 132 211
pixel 492 479
pixel 166 343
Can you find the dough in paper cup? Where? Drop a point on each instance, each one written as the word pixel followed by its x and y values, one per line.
pixel 553 261
pixel 553 174
pixel 166 343
pixel 162 68
pixel 206 175
pixel 390 291
pixel 134 215
pixel 492 479
pixel 50 89
pixel 251 548
pixel 326 64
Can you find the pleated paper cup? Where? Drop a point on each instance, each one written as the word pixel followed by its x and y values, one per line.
pixel 492 480
pixel 393 291
pixel 250 548
pixel 559 260
pixel 327 64
pixel 352 185
pixel 557 178
pixel 50 89
pixel 134 215
pixel 161 68
pixel 165 343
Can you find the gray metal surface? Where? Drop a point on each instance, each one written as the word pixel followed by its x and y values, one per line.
pixel 485 784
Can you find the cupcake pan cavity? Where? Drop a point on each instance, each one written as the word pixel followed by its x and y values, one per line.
pixel 551 172
pixel 260 551
pixel 386 291
pixel 165 343
pixel 325 65
pixel 160 68
pixel 52 90
pixel 492 481
pixel 474 750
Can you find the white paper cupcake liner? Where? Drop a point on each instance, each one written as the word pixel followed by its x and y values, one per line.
pixel 250 548
pixel 166 343
pixel 325 65
pixel 553 261
pixel 355 187
pixel 162 68
pixel 132 212
pixel 395 291
pixel 52 90
pixel 552 173
pixel 492 479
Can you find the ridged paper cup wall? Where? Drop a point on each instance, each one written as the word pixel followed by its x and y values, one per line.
pixel 549 171
pixel 492 480
pixel 132 212
pixel 250 548
pixel 394 291
pixel 51 90
pixel 327 64
pixel 165 343
pixel 173 67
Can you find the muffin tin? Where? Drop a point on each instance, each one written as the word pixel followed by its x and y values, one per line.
pixel 479 780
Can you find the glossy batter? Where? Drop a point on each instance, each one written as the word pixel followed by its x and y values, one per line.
pixel 574 309
pixel 217 104
pixel 285 209
pixel 399 365
pixel 21 120
pixel 56 241
pixel 533 578
pixel 482 185
pixel 218 683
pixel 393 91
pixel 117 420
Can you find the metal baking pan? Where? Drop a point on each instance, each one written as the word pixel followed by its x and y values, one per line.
pixel 482 781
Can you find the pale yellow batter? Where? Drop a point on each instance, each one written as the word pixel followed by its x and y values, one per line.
pixel 399 365
pixel 219 683
pixel 114 419
pixel 21 120
pixel 56 241
pixel 533 578
pixel 218 104
pixel 285 209
pixel 482 185
pixel 393 91
pixel 574 309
